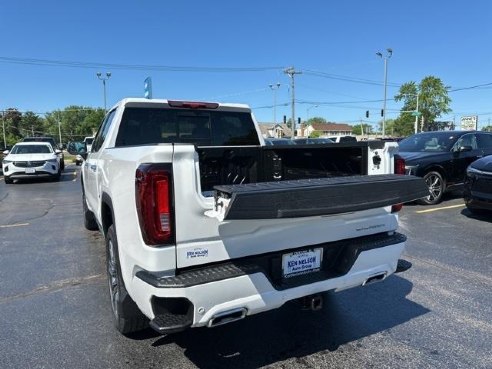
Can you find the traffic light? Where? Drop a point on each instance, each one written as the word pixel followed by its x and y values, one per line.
pixel 298 121
pixel 367 113
pixel 285 119
pixel 382 112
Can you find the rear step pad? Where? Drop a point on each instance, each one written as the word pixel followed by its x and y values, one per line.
pixel 170 323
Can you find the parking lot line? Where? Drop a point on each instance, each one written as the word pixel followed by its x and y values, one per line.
pixel 14 225
pixel 441 208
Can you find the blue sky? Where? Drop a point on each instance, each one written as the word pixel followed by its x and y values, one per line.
pixel 221 40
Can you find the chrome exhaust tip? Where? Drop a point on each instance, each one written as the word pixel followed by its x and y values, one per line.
pixel 227 316
pixel 374 278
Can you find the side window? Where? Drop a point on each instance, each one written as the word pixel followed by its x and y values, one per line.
pixel 484 141
pixel 102 132
pixel 466 140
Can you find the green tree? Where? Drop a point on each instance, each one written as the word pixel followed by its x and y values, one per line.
pixel 433 101
pixel 11 119
pixel 92 121
pixel 357 129
pixel 315 120
pixel 75 122
pixel 31 125
pixel 487 129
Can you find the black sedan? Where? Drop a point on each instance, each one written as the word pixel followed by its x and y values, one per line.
pixel 442 157
pixel 478 185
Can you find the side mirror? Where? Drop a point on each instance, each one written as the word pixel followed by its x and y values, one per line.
pixel 6 152
pixel 77 148
pixel 57 151
pixel 465 148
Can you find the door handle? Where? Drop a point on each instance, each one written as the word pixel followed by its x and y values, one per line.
pixel 93 167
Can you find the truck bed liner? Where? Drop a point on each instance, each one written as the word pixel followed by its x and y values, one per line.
pixel 321 196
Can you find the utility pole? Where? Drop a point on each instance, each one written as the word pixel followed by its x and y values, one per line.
pixel 291 72
pixel 59 126
pixel 59 132
pixel 3 126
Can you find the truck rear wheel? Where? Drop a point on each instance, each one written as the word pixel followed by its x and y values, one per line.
pixel 126 315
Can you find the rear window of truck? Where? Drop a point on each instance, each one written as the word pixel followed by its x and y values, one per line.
pixel 142 126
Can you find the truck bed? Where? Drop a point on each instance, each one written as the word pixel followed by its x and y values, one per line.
pixel 252 164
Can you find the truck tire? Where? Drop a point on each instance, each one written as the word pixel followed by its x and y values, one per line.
pixel 436 185
pixel 126 315
pixel 89 219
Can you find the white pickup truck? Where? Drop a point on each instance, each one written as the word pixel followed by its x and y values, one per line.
pixel 205 224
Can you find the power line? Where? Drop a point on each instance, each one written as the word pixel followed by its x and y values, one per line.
pixel 347 78
pixel 163 68
pixel 337 102
pixel 471 87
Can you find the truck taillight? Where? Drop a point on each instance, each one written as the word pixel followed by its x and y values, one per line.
pixel 399 165
pixel 396 208
pixel 153 187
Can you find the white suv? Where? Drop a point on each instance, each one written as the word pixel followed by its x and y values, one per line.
pixel 27 159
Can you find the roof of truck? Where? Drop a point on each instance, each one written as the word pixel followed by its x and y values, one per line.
pixel 140 100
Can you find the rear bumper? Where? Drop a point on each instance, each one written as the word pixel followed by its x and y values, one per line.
pixel 253 288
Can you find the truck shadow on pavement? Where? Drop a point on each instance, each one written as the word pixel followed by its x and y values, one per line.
pixel 290 332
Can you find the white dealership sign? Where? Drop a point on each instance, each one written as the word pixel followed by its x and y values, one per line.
pixel 469 123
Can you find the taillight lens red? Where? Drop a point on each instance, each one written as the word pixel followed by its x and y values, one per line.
pixel 153 187
pixel 399 165
pixel 396 208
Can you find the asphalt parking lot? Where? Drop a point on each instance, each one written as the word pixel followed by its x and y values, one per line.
pixel 55 312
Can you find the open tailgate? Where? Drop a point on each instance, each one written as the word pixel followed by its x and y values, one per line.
pixel 312 197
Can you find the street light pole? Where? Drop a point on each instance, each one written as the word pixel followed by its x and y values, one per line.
pixel 274 89
pixel 385 58
pixel 416 115
pixel 104 79
pixel 307 111
pixel 414 112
